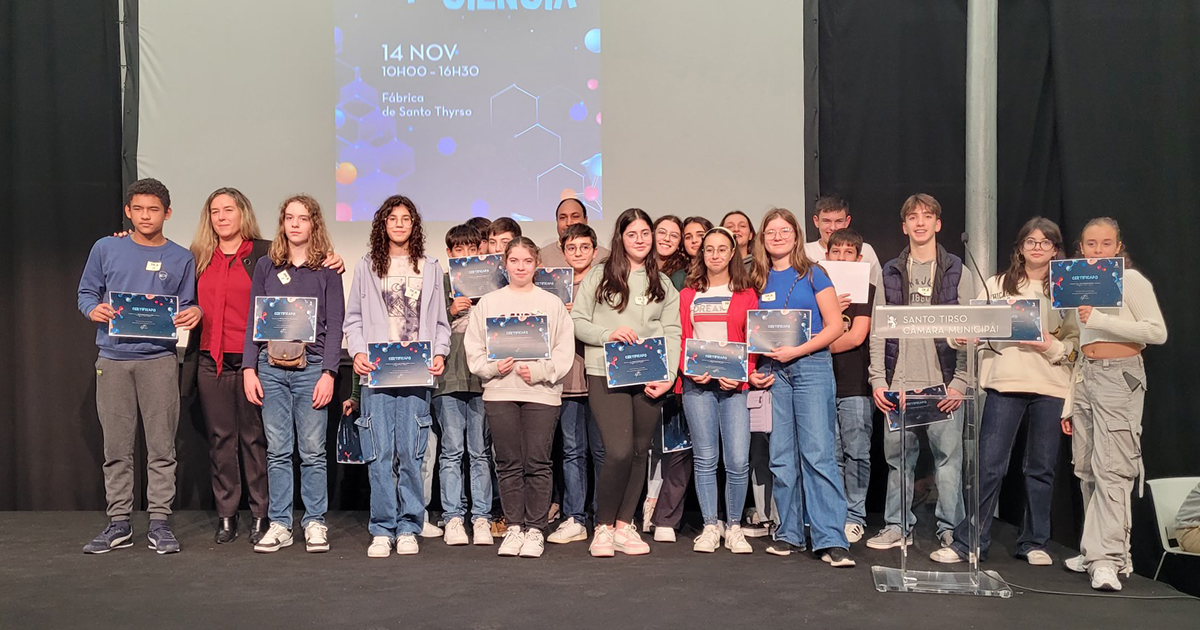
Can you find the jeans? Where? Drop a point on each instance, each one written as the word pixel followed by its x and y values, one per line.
pixel 718 418
pixel 579 435
pixel 1002 415
pixel 394 430
pixel 524 437
pixel 803 461
pixel 461 418
pixel 290 422
pixel 853 448
pixel 945 440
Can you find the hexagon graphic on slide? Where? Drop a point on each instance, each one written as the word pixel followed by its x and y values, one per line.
pixel 539 146
pixel 363 156
pixel 374 188
pixel 397 159
pixel 513 110
pixel 357 90
pixel 557 109
pixel 553 181
pixel 376 129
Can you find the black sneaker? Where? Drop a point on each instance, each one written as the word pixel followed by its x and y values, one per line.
pixel 783 548
pixel 837 557
pixel 118 535
pixel 162 540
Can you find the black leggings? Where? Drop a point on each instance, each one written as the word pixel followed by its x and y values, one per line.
pixel 522 437
pixel 627 420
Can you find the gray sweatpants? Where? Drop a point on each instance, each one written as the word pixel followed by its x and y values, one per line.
pixel 122 389
pixel 1106 444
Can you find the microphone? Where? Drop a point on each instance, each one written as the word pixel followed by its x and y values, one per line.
pixel 988 294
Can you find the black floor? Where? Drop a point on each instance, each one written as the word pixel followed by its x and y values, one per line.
pixel 47 582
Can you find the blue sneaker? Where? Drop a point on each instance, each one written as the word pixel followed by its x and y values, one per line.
pixel 118 535
pixel 162 540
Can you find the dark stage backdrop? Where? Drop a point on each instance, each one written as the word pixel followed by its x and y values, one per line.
pixel 1097 116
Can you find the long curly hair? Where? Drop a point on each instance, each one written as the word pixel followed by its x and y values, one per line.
pixel 380 243
pixel 319 243
pixel 613 289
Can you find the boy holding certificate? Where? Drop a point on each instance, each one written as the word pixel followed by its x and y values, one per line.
pixel 923 273
pixel 851 355
pixel 138 374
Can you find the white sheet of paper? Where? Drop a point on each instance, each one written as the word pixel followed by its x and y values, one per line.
pixel 850 277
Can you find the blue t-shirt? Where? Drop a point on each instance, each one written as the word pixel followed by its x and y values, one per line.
pixel 786 289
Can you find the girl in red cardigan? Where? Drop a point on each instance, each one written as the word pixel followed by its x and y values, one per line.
pixel 713 307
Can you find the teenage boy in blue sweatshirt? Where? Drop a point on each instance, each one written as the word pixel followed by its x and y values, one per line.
pixel 138 374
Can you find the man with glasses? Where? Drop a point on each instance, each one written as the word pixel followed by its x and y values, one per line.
pixel 570 211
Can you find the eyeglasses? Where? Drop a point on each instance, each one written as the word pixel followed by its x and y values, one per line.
pixel 664 235
pixel 577 249
pixel 721 250
pixel 402 220
pixel 781 233
pixel 1032 243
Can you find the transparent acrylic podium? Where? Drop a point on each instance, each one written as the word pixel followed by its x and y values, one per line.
pixel 943 322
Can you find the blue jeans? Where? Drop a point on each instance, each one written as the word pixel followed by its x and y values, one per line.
pixel 394 429
pixel 1002 415
pixel 803 461
pixel 717 418
pixel 853 447
pixel 461 419
pixel 945 440
pixel 579 436
pixel 291 423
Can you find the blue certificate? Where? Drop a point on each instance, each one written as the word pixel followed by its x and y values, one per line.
pixel 920 407
pixel 402 364
pixel 718 359
pixel 636 363
pixel 474 276
pixel 767 329
pixel 1091 282
pixel 1026 319
pixel 285 319
pixel 143 315
pixel 522 338
pixel 557 280
pixel 675 433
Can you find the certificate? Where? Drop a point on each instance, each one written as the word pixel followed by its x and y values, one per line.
pixel 522 338
pixel 474 276
pixel 675 434
pixel 920 407
pixel 143 315
pixel 849 277
pixel 557 280
pixel 718 359
pixel 402 364
pixel 1090 282
pixel 285 319
pixel 1026 319
pixel 767 329
pixel 636 363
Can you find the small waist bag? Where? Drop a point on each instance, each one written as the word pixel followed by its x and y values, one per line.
pixel 289 355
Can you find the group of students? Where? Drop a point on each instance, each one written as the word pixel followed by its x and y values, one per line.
pixel 674 278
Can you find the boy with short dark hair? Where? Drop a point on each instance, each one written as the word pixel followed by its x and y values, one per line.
pixel 138 374
pixel 500 232
pixel 481 225
pixel 832 213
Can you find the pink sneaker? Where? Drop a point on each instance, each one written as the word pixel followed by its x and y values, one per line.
pixel 629 542
pixel 602 543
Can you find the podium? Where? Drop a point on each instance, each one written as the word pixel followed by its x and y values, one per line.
pixel 943 322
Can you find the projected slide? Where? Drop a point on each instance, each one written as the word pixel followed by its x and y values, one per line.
pixel 469 107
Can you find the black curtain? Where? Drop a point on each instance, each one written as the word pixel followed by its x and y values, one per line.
pixel 60 182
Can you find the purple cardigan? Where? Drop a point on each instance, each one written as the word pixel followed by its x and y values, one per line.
pixel 366 314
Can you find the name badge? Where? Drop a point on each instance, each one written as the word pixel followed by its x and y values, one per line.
pixel 768 297
pixel 284 277
pixel 153 265
pixel 640 300
pixel 412 293
pixel 924 291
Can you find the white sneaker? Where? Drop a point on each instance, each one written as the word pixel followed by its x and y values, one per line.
pixel 1039 558
pixel 429 530
pixel 512 543
pixel 664 534
pixel 406 545
pixel 569 530
pixel 276 538
pixel 455 533
pixel 708 540
pixel 1104 578
pixel 380 547
pixel 1077 564
pixel 854 532
pixel 316 537
pixel 533 545
pixel 602 543
pixel 946 555
pixel 629 542
pixel 887 538
pixel 482 532
pixel 735 540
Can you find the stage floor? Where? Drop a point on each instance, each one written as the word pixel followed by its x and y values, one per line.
pixel 47 582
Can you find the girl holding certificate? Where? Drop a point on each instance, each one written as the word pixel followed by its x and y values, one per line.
pixel 522 397
pixel 293 382
pixel 1105 421
pixel 397 296
pixel 1022 378
pixel 803 403
pixel 625 299
pixel 713 307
